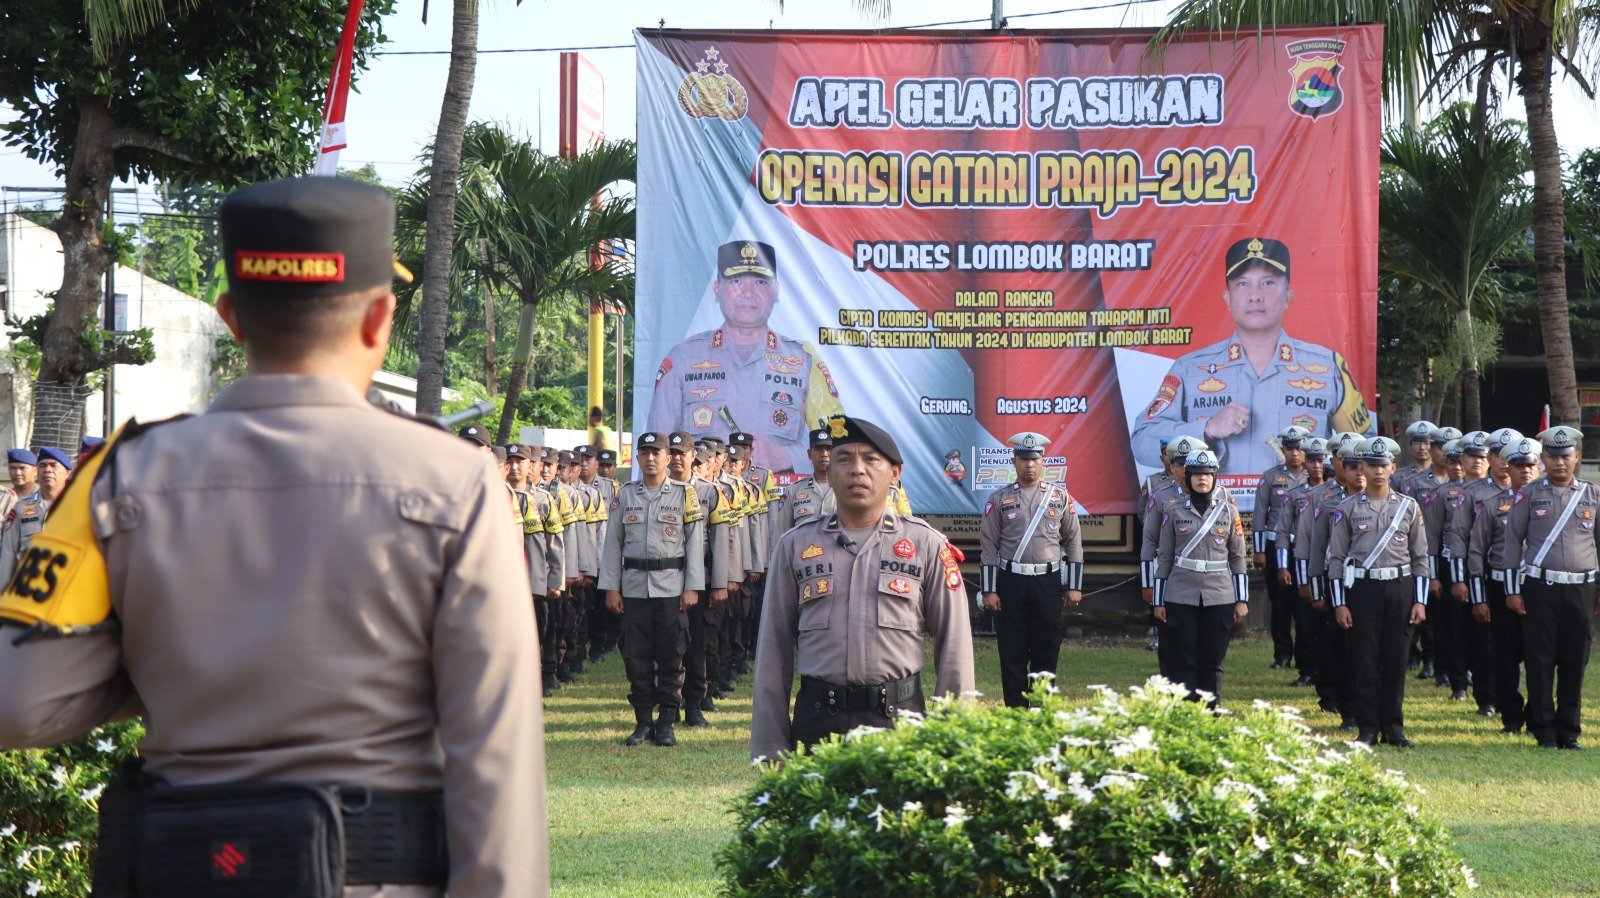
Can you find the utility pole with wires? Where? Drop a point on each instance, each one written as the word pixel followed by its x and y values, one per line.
pixel 997 19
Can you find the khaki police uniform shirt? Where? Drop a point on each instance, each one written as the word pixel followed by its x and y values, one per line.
pixel 855 616
pixel 1008 513
pixel 806 498
pixel 545 539
pixel 1305 385
pixel 1159 488
pixel 655 522
pixel 1534 513
pixel 1296 503
pixel 732 489
pixel 1456 531
pixel 23 522
pixel 1359 522
pixel 1486 544
pixel 567 503
pixel 1223 540
pixel 1272 497
pixel 718 537
pixel 295 611
pixel 706 385
pixel 1312 533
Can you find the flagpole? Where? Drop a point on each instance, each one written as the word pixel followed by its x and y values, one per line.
pixel 333 133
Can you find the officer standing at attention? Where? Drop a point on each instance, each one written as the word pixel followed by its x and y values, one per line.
pixel 1331 649
pixel 1378 570
pixel 545 545
pixel 652 571
pixel 340 634
pixel 1418 436
pixel 1272 498
pixel 851 595
pixel 1551 532
pixel 1487 564
pixel 810 496
pixel 1162 489
pixel 22 468
pixel 1438 504
pixel 1202 591
pixel 764 486
pixel 1469 623
pixel 1297 503
pixel 1032 562
pixel 682 465
pixel 602 623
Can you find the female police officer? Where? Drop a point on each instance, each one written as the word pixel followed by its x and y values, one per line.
pixel 1201 590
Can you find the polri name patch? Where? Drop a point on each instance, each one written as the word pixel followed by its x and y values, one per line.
pixel 281 267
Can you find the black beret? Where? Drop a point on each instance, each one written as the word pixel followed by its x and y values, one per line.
pixel 846 430
pixel 746 257
pixel 308 237
pixel 1262 250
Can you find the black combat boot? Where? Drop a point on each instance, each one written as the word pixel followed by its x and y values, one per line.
pixel 550 685
pixel 706 704
pixel 642 731
pixel 664 736
pixel 694 717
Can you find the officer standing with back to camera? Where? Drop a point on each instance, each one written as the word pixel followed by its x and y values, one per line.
pixel 338 645
pixel 850 596
pixel 652 571
pixel 1272 499
pixel 1032 562
pixel 1202 591
pixel 1378 571
pixel 1551 531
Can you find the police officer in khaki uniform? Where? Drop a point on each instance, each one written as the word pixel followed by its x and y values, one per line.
pixel 652 571
pixel 1202 591
pixel 1282 540
pixel 1162 489
pixel 808 497
pixel 1032 561
pixel 764 486
pixel 545 545
pixel 1487 564
pixel 1438 504
pixel 1335 685
pixel 1551 532
pixel 850 597
pixel 738 624
pixel 22 468
pixel 1378 571
pixel 1271 502
pixel 1418 436
pixel 1468 622
pixel 610 625
pixel 292 611
pixel 683 461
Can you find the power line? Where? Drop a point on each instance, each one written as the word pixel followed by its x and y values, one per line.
pixel 1026 15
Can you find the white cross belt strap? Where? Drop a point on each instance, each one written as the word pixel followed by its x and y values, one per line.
pixel 1406 504
pixel 1038 515
pixel 1561 524
pixel 1205 527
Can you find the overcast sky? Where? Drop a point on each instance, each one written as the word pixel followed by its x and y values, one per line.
pixel 394 114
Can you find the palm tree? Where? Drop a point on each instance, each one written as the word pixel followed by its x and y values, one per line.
pixel 1452 202
pixel 525 226
pixel 1441 46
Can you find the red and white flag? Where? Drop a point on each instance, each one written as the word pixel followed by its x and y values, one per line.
pixel 333 139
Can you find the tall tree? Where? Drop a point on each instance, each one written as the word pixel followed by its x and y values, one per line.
pixel 215 92
pixel 1452 202
pixel 1447 45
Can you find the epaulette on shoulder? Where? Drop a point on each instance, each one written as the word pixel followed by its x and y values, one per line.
pixel 129 432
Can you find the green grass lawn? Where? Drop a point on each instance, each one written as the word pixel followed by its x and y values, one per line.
pixel 647 820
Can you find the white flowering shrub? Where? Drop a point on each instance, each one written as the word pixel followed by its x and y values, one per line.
pixel 48 801
pixel 1140 793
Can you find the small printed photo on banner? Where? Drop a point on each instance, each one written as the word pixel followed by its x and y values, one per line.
pixel 1237 394
pixel 743 375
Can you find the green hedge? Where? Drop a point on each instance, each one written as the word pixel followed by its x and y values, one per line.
pixel 1135 794
pixel 48 801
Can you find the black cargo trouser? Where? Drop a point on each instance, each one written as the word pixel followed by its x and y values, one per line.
pixel 695 672
pixel 1028 630
pixel 1199 636
pixel 752 628
pixel 1449 636
pixel 1288 616
pixel 655 634
pixel 546 613
pixel 1556 635
pixel 1505 635
pixel 1320 648
pixel 1380 611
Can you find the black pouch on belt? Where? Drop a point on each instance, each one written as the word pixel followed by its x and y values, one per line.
pixel 239 840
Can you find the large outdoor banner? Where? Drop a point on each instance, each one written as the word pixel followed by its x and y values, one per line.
pixel 963 236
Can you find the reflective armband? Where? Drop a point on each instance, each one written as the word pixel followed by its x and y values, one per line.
pixel 1147 574
pixel 1241 588
pixel 1259 537
pixel 1158 592
pixel 1072 575
pixel 1422 590
pixel 987 575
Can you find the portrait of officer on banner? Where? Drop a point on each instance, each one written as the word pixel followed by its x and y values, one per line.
pixel 743 375
pixel 1239 393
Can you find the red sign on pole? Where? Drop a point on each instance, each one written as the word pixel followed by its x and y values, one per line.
pixel 583 105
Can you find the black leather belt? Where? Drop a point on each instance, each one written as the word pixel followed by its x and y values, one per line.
pixel 869 697
pixel 655 564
